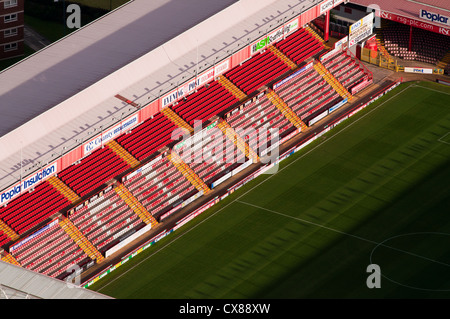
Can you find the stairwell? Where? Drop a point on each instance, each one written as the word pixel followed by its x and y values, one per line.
pixel 64 189
pixel 187 172
pixel 283 57
pixel 380 41
pixel 238 141
pixel 335 84
pixel 122 153
pixel 445 62
pixel 177 120
pixel 317 36
pixel 286 110
pixel 233 89
pixel 82 242
pixel 8 231
pixel 10 259
pixel 135 205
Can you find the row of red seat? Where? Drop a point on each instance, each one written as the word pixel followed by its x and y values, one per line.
pixel 110 226
pixel 307 92
pixel 257 120
pixel 287 87
pixel 102 165
pixel 157 191
pixel 322 107
pixel 35 217
pixel 205 103
pixel 259 70
pixel 29 209
pixel 301 107
pixel 300 46
pixel 3 238
pixel 217 155
pixel 28 252
pixel 346 69
pixel 149 137
pixel 49 252
pixel 319 103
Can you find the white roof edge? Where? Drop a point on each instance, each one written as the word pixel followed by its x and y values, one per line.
pixel 119 80
pixel 42 286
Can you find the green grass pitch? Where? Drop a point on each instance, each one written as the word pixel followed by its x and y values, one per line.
pixel 374 190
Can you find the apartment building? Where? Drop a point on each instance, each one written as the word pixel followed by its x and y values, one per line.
pixel 11 28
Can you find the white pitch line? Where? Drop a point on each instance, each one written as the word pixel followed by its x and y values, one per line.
pixel 440 139
pixel 265 180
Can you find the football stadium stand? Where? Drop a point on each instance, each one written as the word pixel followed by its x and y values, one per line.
pixel 347 70
pixel 210 156
pixel 208 101
pixel 149 137
pixel 301 39
pixel 128 175
pixel 308 94
pixel 32 208
pixel 258 115
pixel 159 185
pixel 267 66
pixel 419 33
pixel 427 46
pixel 93 171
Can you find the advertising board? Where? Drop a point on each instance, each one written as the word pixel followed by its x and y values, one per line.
pixel 28 182
pixel 110 134
pixel 418 70
pixel 434 17
pixel 361 29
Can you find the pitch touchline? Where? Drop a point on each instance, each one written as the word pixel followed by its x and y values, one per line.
pixel 342 232
pixel 280 170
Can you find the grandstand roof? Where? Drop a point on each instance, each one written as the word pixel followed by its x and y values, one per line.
pixel 59 95
pixel 66 67
pixel 20 283
pixel 410 8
